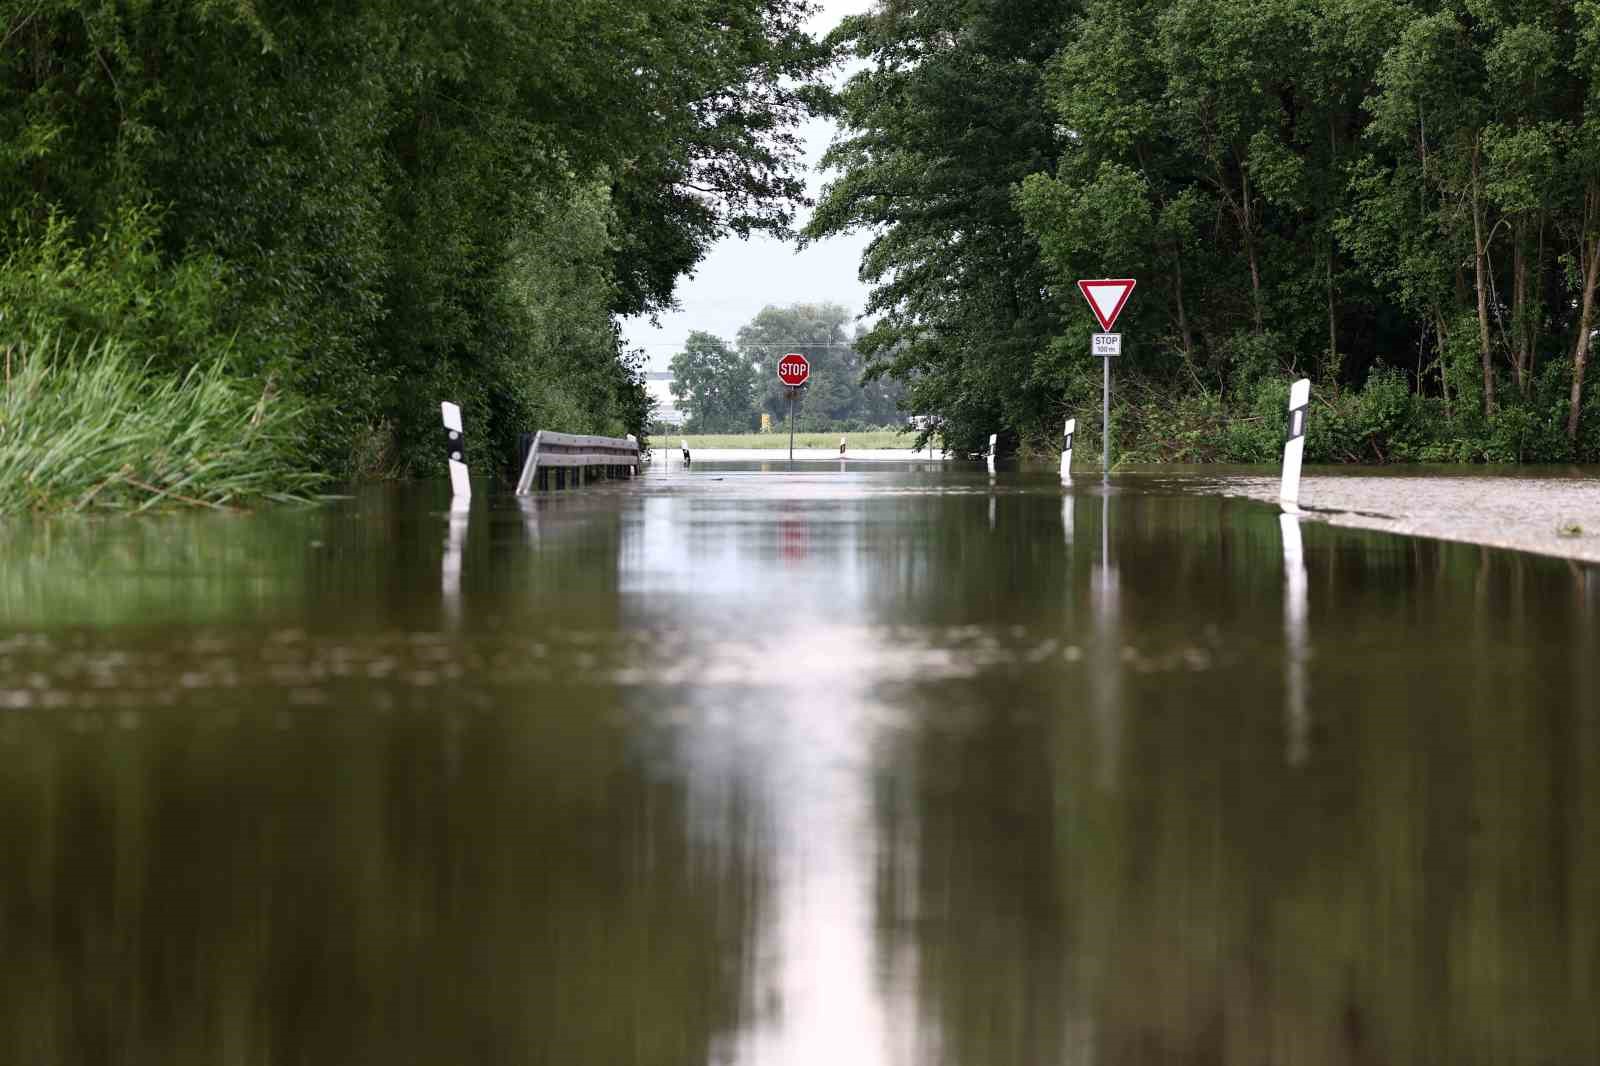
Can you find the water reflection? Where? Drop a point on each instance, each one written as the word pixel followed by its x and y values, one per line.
pixel 888 766
pixel 1295 608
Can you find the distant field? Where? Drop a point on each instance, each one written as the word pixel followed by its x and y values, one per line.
pixel 876 439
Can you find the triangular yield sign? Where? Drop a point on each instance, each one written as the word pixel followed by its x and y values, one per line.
pixel 1106 298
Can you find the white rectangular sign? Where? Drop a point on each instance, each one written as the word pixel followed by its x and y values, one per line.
pixel 1108 344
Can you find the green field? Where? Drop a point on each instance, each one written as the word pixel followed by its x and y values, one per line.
pixel 881 438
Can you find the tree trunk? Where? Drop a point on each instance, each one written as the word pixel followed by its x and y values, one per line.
pixel 1519 307
pixel 1249 234
pixel 1536 319
pixel 1480 266
pixel 1333 327
pixel 1590 248
pixel 1183 317
pixel 1444 366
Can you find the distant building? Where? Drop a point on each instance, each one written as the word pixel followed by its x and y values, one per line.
pixel 659 382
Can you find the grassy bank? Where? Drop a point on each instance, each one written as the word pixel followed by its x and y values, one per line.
pixel 93 430
pixel 881 438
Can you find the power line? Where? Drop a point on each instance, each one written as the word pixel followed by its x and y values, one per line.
pixel 764 344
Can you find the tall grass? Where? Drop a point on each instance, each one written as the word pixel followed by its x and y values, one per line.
pixel 91 429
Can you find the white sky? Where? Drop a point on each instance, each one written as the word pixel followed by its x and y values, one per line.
pixel 738 278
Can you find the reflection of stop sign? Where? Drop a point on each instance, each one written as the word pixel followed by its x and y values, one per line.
pixel 794 369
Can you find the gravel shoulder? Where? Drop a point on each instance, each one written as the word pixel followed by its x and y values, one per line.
pixel 1548 516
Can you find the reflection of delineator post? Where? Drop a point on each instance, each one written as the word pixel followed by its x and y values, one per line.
pixel 1066 448
pixel 455 440
pixel 1294 447
pixel 1296 714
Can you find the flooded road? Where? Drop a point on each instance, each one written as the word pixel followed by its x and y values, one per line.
pixel 886 765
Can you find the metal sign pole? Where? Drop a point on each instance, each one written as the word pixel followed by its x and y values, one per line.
pixel 1105 418
pixel 791 425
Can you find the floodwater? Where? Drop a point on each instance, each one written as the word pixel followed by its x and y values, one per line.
pixel 889 764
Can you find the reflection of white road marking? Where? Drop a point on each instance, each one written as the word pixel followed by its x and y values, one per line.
pixel 1295 609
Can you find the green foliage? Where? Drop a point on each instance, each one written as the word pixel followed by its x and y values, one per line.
pixel 945 117
pixel 388 204
pixel 92 428
pixel 717 386
pixel 1406 191
pixel 56 290
pixel 841 392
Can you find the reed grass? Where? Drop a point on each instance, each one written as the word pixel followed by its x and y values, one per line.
pixel 91 429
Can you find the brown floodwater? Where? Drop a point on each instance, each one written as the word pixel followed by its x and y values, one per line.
pixel 891 764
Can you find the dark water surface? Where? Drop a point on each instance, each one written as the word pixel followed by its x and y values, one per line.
pixel 886 766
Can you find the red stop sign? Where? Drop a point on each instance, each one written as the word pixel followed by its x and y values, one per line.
pixel 794 370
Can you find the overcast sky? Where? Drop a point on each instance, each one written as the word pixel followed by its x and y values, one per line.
pixel 738 278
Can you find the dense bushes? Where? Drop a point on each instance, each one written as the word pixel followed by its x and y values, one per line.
pixel 1384 421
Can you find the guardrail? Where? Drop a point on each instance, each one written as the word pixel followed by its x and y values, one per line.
pixel 568 458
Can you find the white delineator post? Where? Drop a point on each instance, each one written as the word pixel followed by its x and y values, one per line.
pixel 1066 448
pixel 455 439
pixel 993 437
pixel 1295 447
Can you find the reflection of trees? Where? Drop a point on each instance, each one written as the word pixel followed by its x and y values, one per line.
pixel 499 887
pixel 508 875
pixel 970 900
pixel 359 563
pixel 1423 885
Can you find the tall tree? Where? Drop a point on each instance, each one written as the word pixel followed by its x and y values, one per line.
pixel 835 392
pixel 715 384
pixel 945 117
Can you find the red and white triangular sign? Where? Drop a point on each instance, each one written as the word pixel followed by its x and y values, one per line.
pixel 1106 297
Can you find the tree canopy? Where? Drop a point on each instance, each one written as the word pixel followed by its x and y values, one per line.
pixel 381 204
pixel 1392 196
pixel 715 385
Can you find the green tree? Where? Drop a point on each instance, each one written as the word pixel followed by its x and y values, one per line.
pixel 946 116
pixel 835 395
pixel 400 200
pixel 715 384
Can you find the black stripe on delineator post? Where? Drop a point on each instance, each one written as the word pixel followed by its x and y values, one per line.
pixel 454 446
pixel 1296 427
pixel 1066 442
